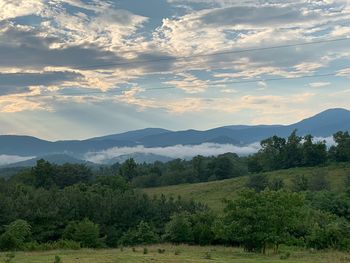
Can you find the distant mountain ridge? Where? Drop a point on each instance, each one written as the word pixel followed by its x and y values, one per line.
pixel 54 158
pixel 324 124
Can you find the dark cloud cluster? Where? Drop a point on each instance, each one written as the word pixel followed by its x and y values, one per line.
pixel 256 16
pixel 15 80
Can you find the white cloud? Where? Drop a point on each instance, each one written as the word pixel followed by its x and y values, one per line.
pixel 319 84
pixel 15 8
pixel 228 90
pixel 188 82
pixel 341 31
pixel 177 151
pixel 344 72
pixel 9 159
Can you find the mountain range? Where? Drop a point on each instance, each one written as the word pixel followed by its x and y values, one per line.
pixel 324 124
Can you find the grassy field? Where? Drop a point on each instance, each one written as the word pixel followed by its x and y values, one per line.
pixel 183 254
pixel 212 193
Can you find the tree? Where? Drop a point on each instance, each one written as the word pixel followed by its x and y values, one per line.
pixel 15 235
pixel 258 219
pixel 202 228
pixel 292 156
pixel 179 229
pixel 128 169
pixel 69 174
pixel 271 154
pixel 85 232
pixel 341 152
pixel 43 174
pixel 313 154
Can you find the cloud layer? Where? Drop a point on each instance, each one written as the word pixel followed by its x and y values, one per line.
pixel 9 159
pixel 121 57
pixel 177 151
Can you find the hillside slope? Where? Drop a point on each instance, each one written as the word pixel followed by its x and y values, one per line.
pixel 213 193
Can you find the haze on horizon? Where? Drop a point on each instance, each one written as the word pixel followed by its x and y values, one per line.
pixel 72 69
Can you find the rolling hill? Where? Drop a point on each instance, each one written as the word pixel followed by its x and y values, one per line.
pixel 213 193
pixel 58 159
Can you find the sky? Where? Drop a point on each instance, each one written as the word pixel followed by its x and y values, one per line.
pixel 74 69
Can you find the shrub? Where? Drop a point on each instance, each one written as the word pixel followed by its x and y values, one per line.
pixel 15 235
pixel 9 257
pixel 285 256
pixel 329 232
pixel 300 183
pixel 276 184
pixel 161 251
pixel 145 251
pixel 57 259
pixel 258 182
pixel 60 244
pixel 318 182
pixel 142 234
pixel 207 255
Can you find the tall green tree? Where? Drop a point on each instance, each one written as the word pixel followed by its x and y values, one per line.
pixel 313 154
pixel 128 169
pixel 258 219
pixel 341 152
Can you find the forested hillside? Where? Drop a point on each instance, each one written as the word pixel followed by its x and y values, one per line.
pixel 71 206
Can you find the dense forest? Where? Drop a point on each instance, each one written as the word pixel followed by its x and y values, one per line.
pixel 70 206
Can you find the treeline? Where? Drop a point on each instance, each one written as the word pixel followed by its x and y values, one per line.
pixel 276 153
pixel 296 151
pixel 199 169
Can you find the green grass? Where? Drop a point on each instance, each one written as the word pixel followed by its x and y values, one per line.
pixel 186 254
pixel 212 193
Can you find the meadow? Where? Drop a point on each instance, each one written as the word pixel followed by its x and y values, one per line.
pixel 177 254
pixel 213 193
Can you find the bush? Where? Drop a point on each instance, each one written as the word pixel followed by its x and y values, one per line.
pixel 161 251
pixel 145 251
pixel 318 182
pixel 329 232
pixel 207 255
pixel 15 235
pixel 57 259
pixel 142 234
pixel 9 257
pixel 300 183
pixel 276 184
pixel 258 182
pixel 285 256
pixel 60 244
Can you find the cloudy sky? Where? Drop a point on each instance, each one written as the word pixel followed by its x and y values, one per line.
pixel 82 68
